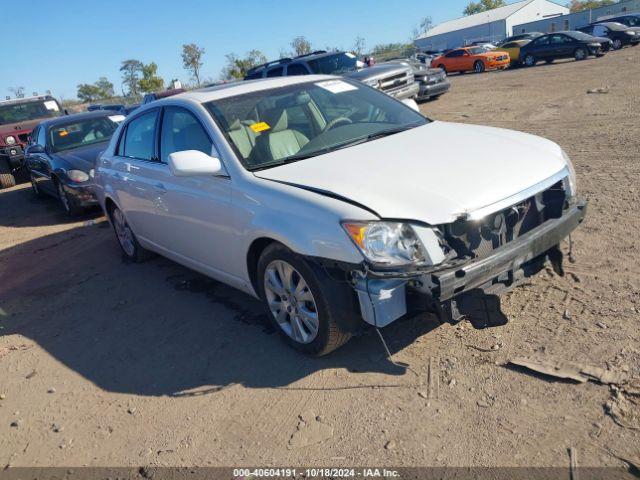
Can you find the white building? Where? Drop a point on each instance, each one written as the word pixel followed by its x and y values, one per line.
pixel 579 19
pixel 492 25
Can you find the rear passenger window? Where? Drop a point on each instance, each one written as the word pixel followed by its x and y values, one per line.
pixel 139 137
pixel 182 131
pixel 275 72
pixel 297 69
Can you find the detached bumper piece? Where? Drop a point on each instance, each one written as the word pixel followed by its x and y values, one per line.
pixel 510 257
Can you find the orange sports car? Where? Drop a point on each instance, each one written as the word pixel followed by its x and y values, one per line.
pixel 471 59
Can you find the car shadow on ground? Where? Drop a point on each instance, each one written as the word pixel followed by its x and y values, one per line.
pixel 160 329
pixel 20 207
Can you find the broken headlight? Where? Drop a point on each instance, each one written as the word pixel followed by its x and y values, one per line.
pixel 386 243
pixel 573 181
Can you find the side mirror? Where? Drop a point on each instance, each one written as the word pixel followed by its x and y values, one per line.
pixel 34 149
pixel 411 103
pixel 190 163
pixel 66 112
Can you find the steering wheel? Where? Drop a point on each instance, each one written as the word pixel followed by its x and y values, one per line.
pixel 337 121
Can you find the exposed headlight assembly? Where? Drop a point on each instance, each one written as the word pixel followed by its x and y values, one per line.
pixel 573 181
pixel 11 140
pixel 77 176
pixel 371 83
pixel 395 243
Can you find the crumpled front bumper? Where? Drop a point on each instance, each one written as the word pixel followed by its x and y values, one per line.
pixel 383 295
pixel 13 154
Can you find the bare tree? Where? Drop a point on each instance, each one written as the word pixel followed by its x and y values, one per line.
pixel 359 46
pixel 425 25
pixel 192 60
pixel 301 46
pixel 18 92
pixel 130 75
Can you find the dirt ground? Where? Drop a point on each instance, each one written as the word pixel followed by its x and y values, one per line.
pixel 106 363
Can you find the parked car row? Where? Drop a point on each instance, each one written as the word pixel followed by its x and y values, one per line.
pixel 400 78
pixel 527 49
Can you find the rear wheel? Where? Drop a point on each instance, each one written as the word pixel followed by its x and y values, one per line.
pixel 479 66
pixel 7 180
pixel 296 302
pixel 126 238
pixel 529 60
pixel 581 54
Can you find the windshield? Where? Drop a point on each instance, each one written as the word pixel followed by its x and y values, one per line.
pixel 334 64
pixel 28 110
pixel 81 133
pixel 277 126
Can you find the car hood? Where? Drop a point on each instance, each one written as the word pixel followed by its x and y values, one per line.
pixel 83 158
pixel 18 127
pixel 434 173
pixel 378 71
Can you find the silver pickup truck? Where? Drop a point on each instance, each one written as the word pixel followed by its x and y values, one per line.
pixel 396 80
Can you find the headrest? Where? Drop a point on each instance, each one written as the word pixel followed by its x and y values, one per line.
pixel 277 119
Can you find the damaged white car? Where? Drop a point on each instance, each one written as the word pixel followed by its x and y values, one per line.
pixel 334 203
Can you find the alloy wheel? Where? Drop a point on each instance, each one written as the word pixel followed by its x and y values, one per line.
pixel 291 302
pixel 617 44
pixel 123 232
pixel 580 54
pixel 34 185
pixel 529 61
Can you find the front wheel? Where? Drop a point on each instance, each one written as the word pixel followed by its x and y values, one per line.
pixel 617 44
pixel 7 180
pixel 479 67
pixel 297 302
pixel 34 186
pixel 529 60
pixel 581 54
pixel 67 202
pixel 443 68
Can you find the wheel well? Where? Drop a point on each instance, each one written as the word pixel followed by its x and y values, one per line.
pixel 253 255
pixel 109 205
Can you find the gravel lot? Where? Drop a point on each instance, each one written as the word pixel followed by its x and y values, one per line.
pixel 107 363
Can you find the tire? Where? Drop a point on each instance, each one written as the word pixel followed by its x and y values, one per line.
pixel 617 44
pixel 34 187
pixel 529 61
pixel 127 240
pixel 581 54
pixel 443 68
pixel 479 66
pixel 68 203
pixel 7 180
pixel 306 320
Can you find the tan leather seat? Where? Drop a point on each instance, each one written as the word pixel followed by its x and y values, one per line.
pixel 280 141
pixel 243 137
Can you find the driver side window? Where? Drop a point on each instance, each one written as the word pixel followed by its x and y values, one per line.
pixel 181 131
pixel 42 137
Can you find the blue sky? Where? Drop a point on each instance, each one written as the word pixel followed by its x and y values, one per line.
pixel 56 45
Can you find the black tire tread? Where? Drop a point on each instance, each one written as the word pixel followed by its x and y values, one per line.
pixel 7 180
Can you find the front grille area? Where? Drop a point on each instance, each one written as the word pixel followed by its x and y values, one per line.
pixel 396 81
pixel 479 238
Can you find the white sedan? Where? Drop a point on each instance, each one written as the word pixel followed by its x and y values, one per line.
pixel 331 201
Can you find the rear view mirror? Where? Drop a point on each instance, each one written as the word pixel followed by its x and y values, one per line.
pixel 189 163
pixel 411 103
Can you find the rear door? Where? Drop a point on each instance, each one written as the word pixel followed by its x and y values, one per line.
pixel 540 47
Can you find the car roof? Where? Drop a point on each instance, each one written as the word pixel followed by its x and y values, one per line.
pixel 248 86
pixel 64 119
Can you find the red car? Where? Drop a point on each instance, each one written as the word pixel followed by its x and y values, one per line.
pixel 17 118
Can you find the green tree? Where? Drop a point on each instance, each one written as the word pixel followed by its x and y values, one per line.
pixel 88 92
pixel 580 5
pixel 237 67
pixel 105 88
pixel 483 6
pixel 192 60
pixel 300 46
pixel 130 75
pixel 150 81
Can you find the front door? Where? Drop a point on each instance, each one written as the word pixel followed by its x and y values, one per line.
pixel 197 215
